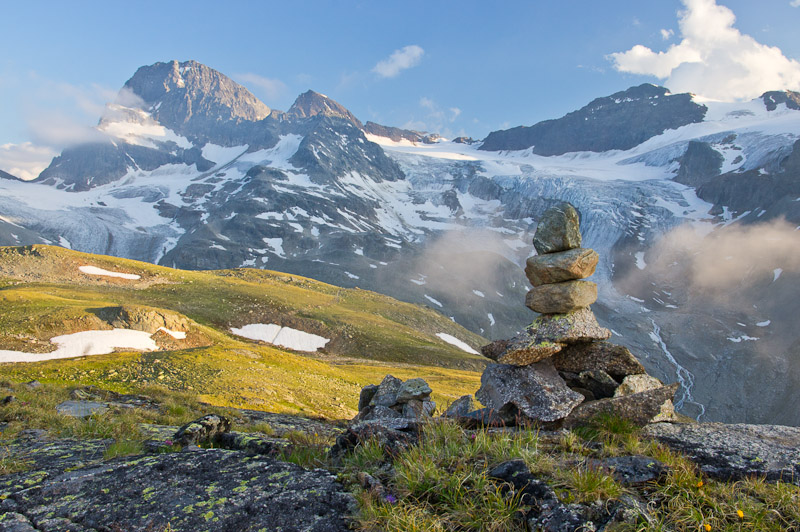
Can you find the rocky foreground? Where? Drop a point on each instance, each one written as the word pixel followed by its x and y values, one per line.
pixel 204 476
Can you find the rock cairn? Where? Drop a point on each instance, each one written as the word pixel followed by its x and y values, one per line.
pixel 560 369
pixel 395 403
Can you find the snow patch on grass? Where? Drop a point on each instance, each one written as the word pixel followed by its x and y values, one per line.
pixel 452 340
pixel 282 336
pixel 94 270
pixel 87 343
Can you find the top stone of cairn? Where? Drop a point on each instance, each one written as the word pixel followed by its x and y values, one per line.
pixel 558 230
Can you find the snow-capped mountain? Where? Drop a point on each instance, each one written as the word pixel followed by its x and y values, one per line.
pixel 190 170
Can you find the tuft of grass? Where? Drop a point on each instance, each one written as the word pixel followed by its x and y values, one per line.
pixel 588 484
pixel 123 448
pixel 307 450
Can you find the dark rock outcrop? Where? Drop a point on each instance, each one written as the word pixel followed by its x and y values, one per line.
pixel 699 164
pixel 209 489
pixel 646 111
pixel 772 99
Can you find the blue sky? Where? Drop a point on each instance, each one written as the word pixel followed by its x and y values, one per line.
pixel 460 68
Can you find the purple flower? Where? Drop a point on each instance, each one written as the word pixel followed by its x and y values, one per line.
pixel 168 442
pixel 391 499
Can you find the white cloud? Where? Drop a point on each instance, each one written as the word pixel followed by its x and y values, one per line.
pixel 25 161
pixel 795 3
pixel 271 89
pixel 713 59
pixel 666 34
pixel 400 60
pixel 436 120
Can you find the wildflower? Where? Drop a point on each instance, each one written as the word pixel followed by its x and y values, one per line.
pixel 700 485
pixel 707 527
pixel 472 437
pixel 740 514
pixel 391 499
pixel 168 443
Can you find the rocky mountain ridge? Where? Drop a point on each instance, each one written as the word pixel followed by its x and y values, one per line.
pixel 444 223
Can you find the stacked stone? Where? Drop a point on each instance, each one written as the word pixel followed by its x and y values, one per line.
pixel 559 369
pixel 394 403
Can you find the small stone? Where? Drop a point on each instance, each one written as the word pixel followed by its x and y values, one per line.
pixel 600 383
pixel 81 409
pixel 386 394
pixel 616 360
pixel 32 385
pixel 632 470
pixel 7 400
pixel 527 487
pixel 560 298
pixel 429 407
pixel 413 389
pixel 535 391
pixel 562 518
pixel 205 429
pixel 371 484
pixel 558 230
pixel 572 327
pixel 562 266
pixel 636 384
pixel 640 408
pixel 460 407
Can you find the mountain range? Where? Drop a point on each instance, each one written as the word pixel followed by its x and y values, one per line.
pixel 692 205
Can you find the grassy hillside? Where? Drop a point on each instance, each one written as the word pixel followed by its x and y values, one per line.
pixel 44 294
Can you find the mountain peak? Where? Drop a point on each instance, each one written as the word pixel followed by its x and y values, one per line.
pixel 189 97
pixel 312 103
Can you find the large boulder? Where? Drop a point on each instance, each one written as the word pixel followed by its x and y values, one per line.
pixel 558 230
pixel 560 298
pixel 562 266
pixel 616 360
pixel 735 451
pixel 577 326
pixel 535 391
pixel 640 408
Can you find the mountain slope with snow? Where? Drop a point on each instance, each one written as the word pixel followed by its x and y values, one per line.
pixel 449 224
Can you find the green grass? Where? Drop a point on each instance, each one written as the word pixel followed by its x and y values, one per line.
pixel 371 335
pixel 442 483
